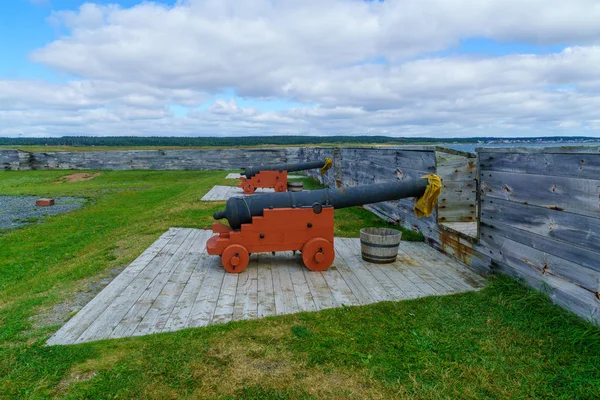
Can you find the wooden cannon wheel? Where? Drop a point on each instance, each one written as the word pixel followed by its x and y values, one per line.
pixel 248 188
pixel 318 254
pixel 235 258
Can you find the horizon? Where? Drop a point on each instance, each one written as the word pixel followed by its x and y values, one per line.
pixel 207 68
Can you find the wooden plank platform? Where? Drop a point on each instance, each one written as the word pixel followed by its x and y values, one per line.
pixel 175 284
pixel 218 193
pixel 238 176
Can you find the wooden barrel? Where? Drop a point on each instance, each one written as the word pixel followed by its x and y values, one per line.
pixel 379 245
pixel 295 186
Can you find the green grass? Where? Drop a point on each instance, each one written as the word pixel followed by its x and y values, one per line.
pixel 501 342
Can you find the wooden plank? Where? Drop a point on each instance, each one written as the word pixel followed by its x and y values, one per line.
pixel 448 150
pixel 320 291
pixel 409 289
pixel 160 311
pixel 459 185
pixel 459 169
pixel 112 315
pixel 302 291
pixel 361 282
pixel 423 271
pixel 466 228
pixel 285 277
pixel 129 324
pixel 577 230
pixel 424 287
pixel 459 269
pixel 206 301
pixel 379 271
pixel 92 310
pixel 423 161
pixel 584 257
pixel 511 252
pixel 407 265
pixel 365 173
pixel 457 213
pixel 339 288
pixel 575 165
pixel 566 294
pixel 366 275
pixel 404 215
pixel 578 196
pixel 452 197
pixel 180 314
pixel 246 297
pixel 285 298
pixel 266 294
pixel 439 266
pixel 226 299
pixel 267 260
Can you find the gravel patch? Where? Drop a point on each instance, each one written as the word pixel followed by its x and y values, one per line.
pixel 16 211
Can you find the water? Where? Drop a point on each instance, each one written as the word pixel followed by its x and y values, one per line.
pixel 470 147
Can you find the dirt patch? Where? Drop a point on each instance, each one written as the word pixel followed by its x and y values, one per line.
pixel 74 378
pixel 62 312
pixel 78 177
pixel 266 362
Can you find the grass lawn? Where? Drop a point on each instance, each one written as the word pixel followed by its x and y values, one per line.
pixel 502 342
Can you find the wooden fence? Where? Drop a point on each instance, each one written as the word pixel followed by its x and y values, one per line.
pixel 540 220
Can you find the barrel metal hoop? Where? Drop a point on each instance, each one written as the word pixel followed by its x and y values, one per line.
pixel 378 259
pixel 379 245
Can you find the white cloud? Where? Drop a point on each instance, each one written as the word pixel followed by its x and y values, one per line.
pixel 132 63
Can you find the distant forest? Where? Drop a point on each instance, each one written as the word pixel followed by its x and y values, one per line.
pixel 245 140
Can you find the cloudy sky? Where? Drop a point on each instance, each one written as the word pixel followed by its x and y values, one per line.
pixel 435 68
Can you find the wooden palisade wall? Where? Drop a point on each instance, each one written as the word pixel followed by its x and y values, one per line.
pixel 192 159
pixel 363 165
pixel 458 200
pixel 540 220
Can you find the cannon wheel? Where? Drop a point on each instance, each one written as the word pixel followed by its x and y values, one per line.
pixel 235 258
pixel 248 188
pixel 280 187
pixel 318 254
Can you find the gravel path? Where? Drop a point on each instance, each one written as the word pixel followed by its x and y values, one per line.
pixel 17 211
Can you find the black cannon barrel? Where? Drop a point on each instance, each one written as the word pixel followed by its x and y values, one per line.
pixel 240 210
pixel 251 171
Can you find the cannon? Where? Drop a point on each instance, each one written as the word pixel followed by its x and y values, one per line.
pixel 302 221
pixel 275 176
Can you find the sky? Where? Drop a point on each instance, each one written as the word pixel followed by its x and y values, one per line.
pixel 410 68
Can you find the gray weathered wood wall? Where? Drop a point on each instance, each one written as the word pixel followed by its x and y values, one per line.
pixel 193 159
pixel 367 165
pixel 540 220
pixel 319 153
pixel 8 158
pixel 458 200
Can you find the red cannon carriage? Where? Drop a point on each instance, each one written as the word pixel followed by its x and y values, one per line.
pixel 276 176
pixel 301 221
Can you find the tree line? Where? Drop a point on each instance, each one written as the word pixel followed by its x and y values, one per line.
pixel 122 141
